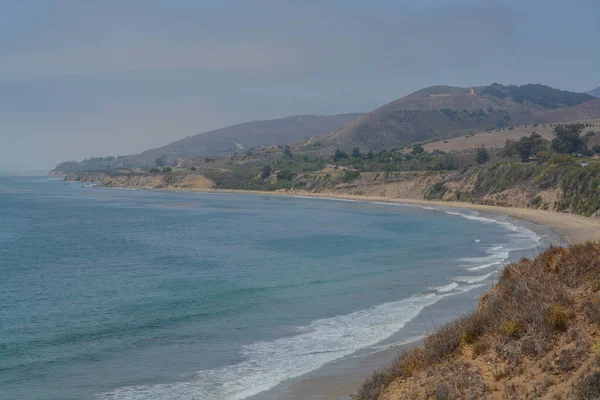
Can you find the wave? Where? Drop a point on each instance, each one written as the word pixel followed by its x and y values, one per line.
pixel 268 363
pixel 472 279
pixel 522 237
pixel 497 255
pixel 384 203
pixel 484 266
pixel 445 288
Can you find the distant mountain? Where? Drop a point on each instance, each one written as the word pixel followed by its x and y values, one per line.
pixel 440 112
pixel 584 111
pixel 236 138
pixel 595 92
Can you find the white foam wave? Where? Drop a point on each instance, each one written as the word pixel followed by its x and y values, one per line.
pixel 484 266
pixel 268 363
pixel 445 288
pixel 522 237
pixel 430 208
pixel 341 199
pixel 385 203
pixel 495 256
pixel 472 279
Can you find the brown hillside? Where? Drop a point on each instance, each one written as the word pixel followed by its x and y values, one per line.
pixel 534 335
pixel 497 138
pixel 443 112
pixel 386 129
pixel 241 137
pixel 455 98
pixel 585 111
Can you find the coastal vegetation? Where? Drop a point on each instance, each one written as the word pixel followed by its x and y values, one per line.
pixel 558 174
pixel 533 335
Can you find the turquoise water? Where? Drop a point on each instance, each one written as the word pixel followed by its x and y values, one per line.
pixel 122 294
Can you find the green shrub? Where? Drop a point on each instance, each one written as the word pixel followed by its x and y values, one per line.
pixel 350 175
pixel 285 174
pixel 558 317
pixel 511 329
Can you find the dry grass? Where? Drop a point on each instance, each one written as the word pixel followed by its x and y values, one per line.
pixel 541 310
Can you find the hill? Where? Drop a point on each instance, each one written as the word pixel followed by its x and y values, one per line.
pixel 534 335
pixel 581 112
pixel 236 138
pixel 595 92
pixel 442 112
pixel 498 138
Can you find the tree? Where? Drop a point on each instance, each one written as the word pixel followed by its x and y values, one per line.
pixel 167 169
pixel 193 169
pixel 567 139
pixel 417 149
pixel 596 149
pixel 339 155
pixel 287 152
pixel 266 172
pixel 370 155
pixel 525 147
pixel 161 161
pixel 482 155
pixel 285 174
pixel 356 153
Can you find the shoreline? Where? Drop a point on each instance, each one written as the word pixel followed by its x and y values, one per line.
pixel 343 377
pixel 572 227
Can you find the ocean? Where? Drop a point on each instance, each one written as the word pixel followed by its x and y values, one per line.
pixel 133 294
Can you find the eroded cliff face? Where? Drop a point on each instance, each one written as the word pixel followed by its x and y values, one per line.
pixel 534 335
pixel 159 181
pixel 399 185
pixel 147 181
pixel 445 186
pixel 464 186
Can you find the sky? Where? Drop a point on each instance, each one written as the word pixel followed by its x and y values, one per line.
pixel 81 78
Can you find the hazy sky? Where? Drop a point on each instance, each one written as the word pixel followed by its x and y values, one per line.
pixel 82 78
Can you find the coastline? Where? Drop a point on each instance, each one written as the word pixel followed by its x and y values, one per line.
pixel 343 377
pixel 571 227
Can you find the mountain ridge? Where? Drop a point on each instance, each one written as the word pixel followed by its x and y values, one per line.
pixel 432 113
pixel 441 112
pixel 223 141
